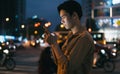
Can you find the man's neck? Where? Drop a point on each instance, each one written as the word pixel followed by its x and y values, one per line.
pixel 78 29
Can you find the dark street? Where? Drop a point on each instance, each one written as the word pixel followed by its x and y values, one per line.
pixel 27 60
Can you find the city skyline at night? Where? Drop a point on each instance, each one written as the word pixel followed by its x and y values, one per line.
pixel 11 10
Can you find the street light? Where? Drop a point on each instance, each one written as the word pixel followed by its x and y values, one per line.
pixel 62 26
pixel 37 24
pixel 3 23
pixel 47 24
pixel 35 32
pixel 23 26
pixel 7 19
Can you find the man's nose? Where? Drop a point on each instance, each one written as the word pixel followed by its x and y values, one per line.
pixel 62 21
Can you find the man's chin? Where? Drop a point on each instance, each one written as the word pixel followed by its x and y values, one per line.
pixel 67 28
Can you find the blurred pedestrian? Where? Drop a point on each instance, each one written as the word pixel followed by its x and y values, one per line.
pixel 76 54
pixel 46 64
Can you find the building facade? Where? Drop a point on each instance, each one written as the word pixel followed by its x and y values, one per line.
pixel 12 13
pixel 87 8
pixel 107 16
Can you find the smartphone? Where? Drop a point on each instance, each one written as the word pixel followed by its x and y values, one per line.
pixel 47 31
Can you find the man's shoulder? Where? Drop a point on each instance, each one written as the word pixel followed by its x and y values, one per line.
pixel 86 36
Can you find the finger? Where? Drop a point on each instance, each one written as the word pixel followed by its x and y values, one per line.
pixel 46 30
pixel 52 34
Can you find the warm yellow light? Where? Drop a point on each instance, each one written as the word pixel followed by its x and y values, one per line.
pixel 89 30
pixel 35 32
pixel 60 36
pixel 37 24
pixel 47 24
pixel 104 42
pixel 7 19
pixel 118 22
pixel 62 26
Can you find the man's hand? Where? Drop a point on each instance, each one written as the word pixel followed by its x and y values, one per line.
pixel 51 38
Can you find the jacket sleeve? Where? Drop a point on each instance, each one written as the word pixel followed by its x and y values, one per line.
pixel 61 59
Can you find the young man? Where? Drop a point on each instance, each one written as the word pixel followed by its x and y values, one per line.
pixel 76 55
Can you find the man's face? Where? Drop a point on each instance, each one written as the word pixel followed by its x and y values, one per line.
pixel 66 19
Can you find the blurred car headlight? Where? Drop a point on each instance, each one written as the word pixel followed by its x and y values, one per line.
pixel 95 42
pixel 114 54
pixel 102 51
pixel 14 47
pixel 114 50
pixel 6 51
pixel 33 43
pixel 0 48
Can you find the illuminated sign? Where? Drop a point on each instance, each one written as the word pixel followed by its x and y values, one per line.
pixel 115 2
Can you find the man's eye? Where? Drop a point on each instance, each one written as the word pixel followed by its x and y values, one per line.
pixel 63 17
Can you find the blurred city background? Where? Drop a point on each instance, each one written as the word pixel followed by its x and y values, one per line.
pixel 18 17
pixel 22 21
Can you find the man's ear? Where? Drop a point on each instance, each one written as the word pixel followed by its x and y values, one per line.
pixel 74 15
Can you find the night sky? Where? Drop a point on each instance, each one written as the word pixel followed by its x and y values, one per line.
pixel 46 9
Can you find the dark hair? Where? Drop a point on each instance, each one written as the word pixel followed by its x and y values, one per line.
pixel 71 7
